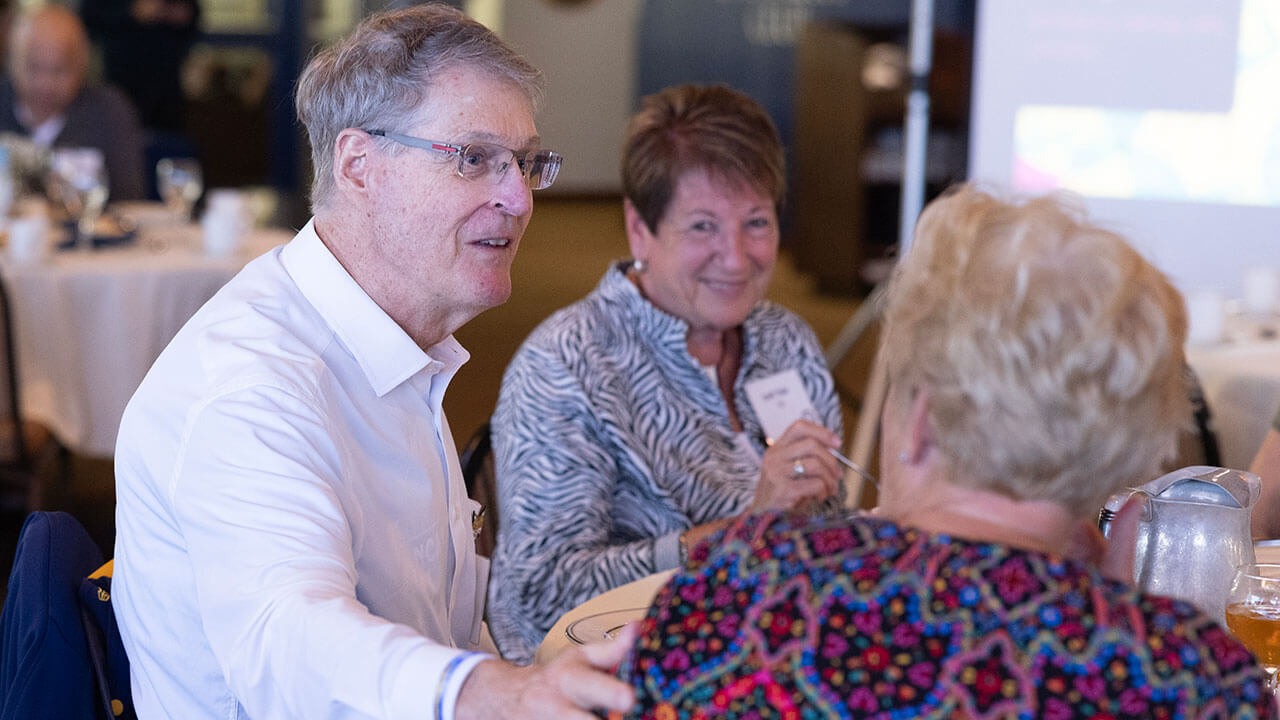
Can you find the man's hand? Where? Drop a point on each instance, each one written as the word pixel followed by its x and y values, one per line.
pixel 576 681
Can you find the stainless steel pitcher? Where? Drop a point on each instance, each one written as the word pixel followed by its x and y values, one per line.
pixel 1194 532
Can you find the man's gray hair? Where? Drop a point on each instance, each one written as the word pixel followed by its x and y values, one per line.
pixel 379 75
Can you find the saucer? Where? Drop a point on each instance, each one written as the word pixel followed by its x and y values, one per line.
pixel 602 626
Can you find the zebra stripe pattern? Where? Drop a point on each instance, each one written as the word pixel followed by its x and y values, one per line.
pixel 609 435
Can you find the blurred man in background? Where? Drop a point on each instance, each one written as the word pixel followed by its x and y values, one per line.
pixel 45 98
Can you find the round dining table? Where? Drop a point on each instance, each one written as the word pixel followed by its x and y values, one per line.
pixel 1240 377
pixel 88 324
pixel 622 604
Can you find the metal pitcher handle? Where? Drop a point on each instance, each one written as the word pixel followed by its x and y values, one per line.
pixel 1117 501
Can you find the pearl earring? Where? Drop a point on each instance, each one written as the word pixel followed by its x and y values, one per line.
pixel 638 266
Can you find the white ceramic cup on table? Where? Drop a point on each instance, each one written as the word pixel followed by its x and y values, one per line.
pixel 226 220
pixel 1206 317
pixel 1261 290
pixel 29 239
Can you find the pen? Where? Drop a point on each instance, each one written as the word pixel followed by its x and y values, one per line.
pixel 854 467
pixel 768 441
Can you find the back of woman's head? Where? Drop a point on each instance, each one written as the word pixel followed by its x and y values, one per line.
pixel 699 127
pixel 1051 350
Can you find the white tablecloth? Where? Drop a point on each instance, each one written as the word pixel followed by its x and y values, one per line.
pixel 88 325
pixel 1241 382
pixel 638 594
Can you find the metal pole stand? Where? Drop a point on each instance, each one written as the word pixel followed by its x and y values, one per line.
pixel 913 181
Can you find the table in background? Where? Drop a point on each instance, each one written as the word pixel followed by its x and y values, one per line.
pixel 1241 382
pixel 1267 552
pixel 89 324
pixel 638 594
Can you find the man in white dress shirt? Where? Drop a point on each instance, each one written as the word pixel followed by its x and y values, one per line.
pixel 293 536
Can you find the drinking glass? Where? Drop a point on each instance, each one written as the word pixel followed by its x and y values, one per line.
pixel 1253 614
pixel 78 181
pixel 180 183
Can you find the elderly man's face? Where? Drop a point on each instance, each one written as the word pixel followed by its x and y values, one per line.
pixel 48 65
pixel 447 240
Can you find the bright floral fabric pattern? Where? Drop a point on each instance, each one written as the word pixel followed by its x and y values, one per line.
pixel 852 617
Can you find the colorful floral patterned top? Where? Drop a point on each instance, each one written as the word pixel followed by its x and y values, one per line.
pixel 855 617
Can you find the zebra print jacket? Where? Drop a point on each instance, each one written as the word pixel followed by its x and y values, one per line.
pixel 610 439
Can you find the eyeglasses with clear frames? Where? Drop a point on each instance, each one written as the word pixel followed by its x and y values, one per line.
pixel 476 160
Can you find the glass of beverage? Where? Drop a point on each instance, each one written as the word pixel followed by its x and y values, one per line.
pixel 180 183
pixel 1253 613
pixel 78 181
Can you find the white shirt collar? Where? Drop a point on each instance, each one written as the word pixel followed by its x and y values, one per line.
pixel 385 352
pixel 46 132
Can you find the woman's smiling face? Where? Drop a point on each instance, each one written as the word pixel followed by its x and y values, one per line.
pixel 713 253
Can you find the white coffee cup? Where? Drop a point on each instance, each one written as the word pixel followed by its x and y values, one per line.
pixel 1261 290
pixel 1206 317
pixel 29 239
pixel 225 222
pixel 222 231
pixel 228 200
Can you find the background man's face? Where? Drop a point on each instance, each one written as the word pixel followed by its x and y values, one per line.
pixel 48 67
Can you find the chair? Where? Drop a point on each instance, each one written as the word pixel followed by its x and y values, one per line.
pixel 478 474
pixel 26 447
pixel 58 654
pixel 1205 440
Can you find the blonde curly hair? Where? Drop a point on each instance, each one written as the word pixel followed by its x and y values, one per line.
pixel 1051 350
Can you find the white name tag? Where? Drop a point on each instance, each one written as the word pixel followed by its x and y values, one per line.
pixel 779 400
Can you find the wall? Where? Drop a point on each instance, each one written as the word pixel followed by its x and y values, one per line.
pixel 590 52
pixel 587 51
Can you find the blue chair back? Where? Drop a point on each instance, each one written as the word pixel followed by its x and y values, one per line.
pixel 54 656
